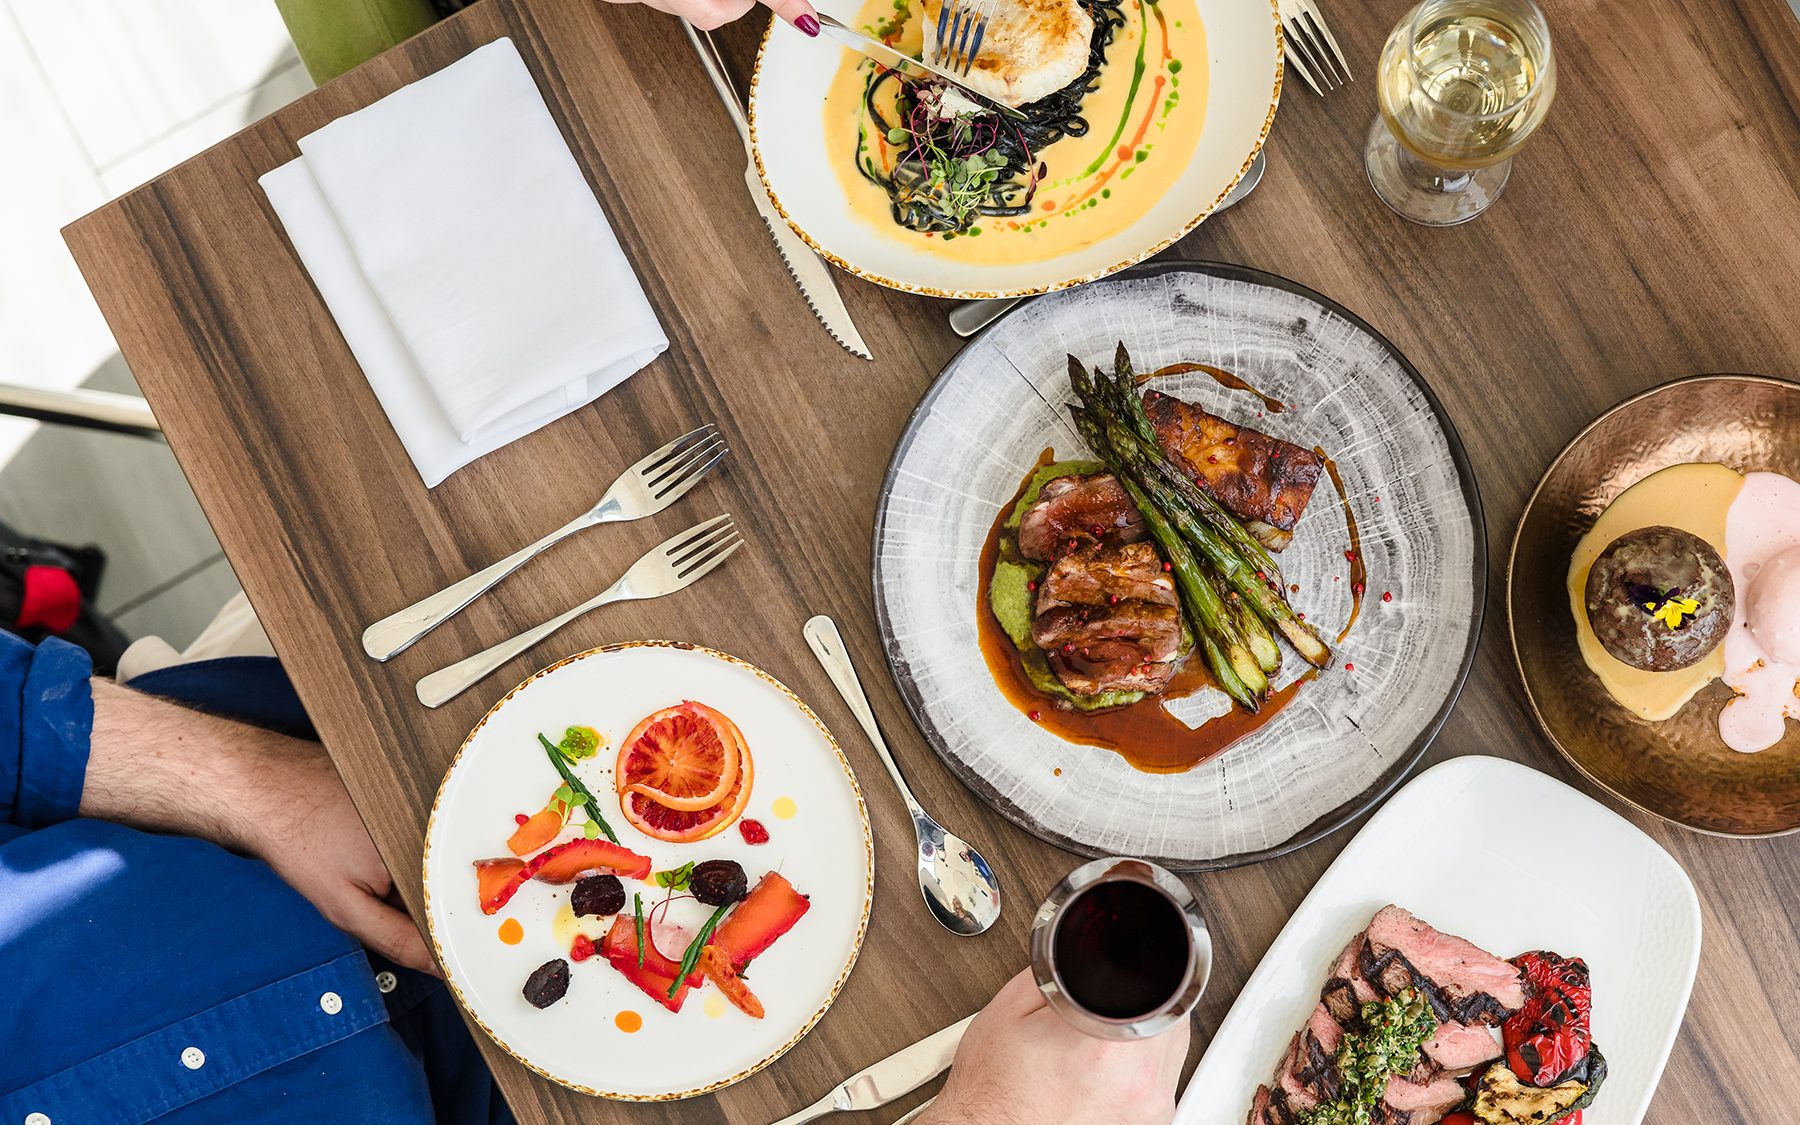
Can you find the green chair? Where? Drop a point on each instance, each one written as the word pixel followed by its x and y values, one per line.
pixel 333 36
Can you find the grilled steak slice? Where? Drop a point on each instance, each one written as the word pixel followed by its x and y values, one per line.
pixel 1317 1061
pixel 1346 991
pixel 1288 1082
pixel 1458 1048
pixel 1108 620
pixel 1419 1103
pixel 1102 576
pixel 1462 982
pixel 1087 510
pixel 1261 478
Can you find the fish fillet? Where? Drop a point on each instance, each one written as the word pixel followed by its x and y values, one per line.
pixel 1032 49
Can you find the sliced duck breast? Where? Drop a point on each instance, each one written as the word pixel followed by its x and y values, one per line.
pixel 1079 511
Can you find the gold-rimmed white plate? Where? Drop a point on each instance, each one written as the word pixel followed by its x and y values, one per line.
pixel 804 792
pixel 1242 86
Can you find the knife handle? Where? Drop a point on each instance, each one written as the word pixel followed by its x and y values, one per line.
pixel 708 49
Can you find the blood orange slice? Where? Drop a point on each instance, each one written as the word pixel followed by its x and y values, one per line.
pixel 684 758
pixel 681 756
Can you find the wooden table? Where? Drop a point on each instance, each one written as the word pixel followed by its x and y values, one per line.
pixel 1648 233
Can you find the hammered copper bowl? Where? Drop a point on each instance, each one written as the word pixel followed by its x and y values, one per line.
pixel 1678 769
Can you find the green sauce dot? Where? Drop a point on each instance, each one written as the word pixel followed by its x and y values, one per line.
pixel 1142 153
pixel 1174 64
pixel 973 231
pixel 1105 193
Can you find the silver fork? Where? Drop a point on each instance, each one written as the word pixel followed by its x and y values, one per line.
pixel 961 26
pixel 1311 48
pixel 645 489
pixel 675 564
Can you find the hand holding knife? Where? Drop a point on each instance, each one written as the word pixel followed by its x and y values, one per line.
pixel 808 270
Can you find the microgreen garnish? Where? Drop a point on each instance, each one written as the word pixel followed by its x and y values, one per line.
pixel 692 957
pixel 637 918
pixel 579 796
pixel 677 878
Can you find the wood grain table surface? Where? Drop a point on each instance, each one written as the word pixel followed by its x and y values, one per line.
pixel 1649 232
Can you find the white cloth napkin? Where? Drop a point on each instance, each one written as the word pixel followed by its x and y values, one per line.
pixel 467 263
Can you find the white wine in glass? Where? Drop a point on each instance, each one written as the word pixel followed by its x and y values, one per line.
pixel 1462 85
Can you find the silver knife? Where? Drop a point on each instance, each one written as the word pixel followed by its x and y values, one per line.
pixel 895 1076
pixel 887 56
pixel 808 270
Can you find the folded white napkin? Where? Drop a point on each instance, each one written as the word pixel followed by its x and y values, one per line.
pixel 465 259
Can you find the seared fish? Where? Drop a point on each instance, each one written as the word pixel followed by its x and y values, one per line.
pixel 1032 49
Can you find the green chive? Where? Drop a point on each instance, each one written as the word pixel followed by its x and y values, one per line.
pixel 575 786
pixel 692 957
pixel 637 911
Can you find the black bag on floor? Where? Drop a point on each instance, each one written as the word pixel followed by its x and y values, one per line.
pixel 48 590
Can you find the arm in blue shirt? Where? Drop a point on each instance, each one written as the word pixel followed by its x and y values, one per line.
pixel 161 977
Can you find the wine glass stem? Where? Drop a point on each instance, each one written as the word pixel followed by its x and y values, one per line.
pixel 1430 177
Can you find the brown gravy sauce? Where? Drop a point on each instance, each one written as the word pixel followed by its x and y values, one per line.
pixel 1144 733
pixel 1359 573
pixel 1220 376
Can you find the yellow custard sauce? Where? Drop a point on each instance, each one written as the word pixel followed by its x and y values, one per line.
pixel 1692 497
pixel 1145 116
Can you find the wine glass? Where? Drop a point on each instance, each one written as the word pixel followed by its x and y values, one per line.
pixel 1120 949
pixel 1462 84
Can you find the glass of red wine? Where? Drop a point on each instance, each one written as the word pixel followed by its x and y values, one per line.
pixel 1120 949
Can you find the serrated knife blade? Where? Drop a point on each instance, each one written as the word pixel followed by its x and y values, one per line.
pixel 810 273
pixel 895 1076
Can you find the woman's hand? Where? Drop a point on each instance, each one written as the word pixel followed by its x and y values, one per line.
pixel 157 766
pixel 1022 1064
pixel 710 14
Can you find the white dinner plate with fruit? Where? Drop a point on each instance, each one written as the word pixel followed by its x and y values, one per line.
pixel 648 871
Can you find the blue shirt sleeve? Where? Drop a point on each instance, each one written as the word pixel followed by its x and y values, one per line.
pixel 46 725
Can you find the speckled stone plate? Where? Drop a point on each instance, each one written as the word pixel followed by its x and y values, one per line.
pixel 1678 769
pixel 1348 736
pixel 803 790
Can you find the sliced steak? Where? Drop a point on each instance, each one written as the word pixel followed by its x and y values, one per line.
pixel 1288 1081
pixel 1346 991
pixel 1421 1103
pixel 1458 1048
pixel 1086 510
pixel 1261 478
pixel 1108 620
pixel 1462 982
pixel 1317 1062
pixel 1102 576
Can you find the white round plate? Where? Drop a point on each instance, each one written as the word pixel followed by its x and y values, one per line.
pixel 793 72
pixel 1349 735
pixel 824 849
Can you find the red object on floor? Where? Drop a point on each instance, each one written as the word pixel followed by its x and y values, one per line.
pixel 50 599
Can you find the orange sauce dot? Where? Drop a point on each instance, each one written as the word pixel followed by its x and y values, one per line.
pixel 1057 771
pixel 511 932
pixel 628 1021
pixel 1124 152
pixel 1049 204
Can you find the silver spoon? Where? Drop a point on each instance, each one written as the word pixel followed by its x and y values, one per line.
pixel 971 317
pixel 959 887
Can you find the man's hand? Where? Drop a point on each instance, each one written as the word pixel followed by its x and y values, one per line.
pixel 158 766
pixel 1022 1064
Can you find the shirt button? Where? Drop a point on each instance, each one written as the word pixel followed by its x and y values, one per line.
pixel 386 981
pixel 193 1058
pixel 36 1119
pixel 331 1003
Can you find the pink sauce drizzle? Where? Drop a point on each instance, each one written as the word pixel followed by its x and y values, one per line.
pixel 1763 522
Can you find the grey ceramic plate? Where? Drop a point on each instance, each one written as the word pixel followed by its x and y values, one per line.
pixel 1348 736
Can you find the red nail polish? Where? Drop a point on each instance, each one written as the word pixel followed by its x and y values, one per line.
pixel 809 25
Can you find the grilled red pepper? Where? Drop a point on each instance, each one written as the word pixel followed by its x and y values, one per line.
pixel 1550 1036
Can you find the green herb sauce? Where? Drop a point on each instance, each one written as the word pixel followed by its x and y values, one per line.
pixel 1393 1031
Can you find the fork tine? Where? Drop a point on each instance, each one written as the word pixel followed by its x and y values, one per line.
pixel 677 489
pixel 693 549
pixel 1299 57
pixel 1297 61
pixel 675 466
pixel 702 569
pixel 944 14
pixel 1322 28
pixel 1318 55
pixel 656 457
pixel 975 47
pixel 684 539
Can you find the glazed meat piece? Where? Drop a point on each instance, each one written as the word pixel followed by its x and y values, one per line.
pixel 1262 479
pixel 1079 511
pixel 1100 576
pixel 1108 620
pixel 1463 982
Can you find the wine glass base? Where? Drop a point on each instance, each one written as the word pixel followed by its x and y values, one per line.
pixel 1420 193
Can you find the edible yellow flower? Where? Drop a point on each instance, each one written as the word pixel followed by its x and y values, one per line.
pixel 1672 612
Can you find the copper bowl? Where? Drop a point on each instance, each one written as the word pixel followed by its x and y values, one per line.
pixel 1678 769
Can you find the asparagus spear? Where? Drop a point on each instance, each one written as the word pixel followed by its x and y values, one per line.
pixel 1120 397
pixel 1227 655
pixel 1255 629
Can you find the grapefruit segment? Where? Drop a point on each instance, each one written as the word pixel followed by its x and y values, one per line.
pixel 684 773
